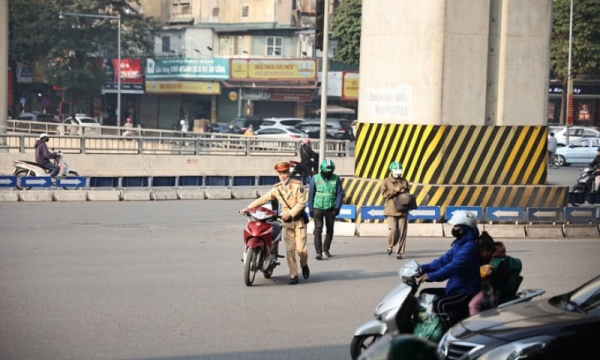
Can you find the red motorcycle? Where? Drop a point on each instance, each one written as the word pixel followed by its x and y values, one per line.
pixel 262 236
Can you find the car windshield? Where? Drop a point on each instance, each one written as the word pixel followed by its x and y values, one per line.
pixel 88 120
pixel 585 299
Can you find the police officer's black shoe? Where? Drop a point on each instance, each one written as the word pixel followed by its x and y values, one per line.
pixel 326 255
pixel 305 271
pixel 293 281
pixel 319 256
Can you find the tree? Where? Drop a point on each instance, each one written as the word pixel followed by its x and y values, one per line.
pixel 74 48
pixel 585 52
pixel 345 29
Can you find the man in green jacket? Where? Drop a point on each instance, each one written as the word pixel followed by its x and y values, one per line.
pixel 325 197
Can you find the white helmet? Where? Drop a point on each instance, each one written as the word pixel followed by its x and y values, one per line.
pixel 182 121
pixel 44 135
pixel 462 217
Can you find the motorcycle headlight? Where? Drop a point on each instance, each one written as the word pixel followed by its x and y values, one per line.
pixel 521 349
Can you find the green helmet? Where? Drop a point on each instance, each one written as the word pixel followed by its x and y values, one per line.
pixel 396 168
pixel 327 166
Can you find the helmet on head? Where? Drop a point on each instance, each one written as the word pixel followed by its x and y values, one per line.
pixel 462 217
pixel 305 141
pixel 327 166
pixel 44 137
pixel 551 133
pixel 182 121
pixel 396 168
pixel 128 120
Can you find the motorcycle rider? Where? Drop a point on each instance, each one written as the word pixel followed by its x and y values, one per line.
pixel 325 196
pixel 291 197
pixel 596 165
pixel 44 157
pixel 460 266
pixel 308 158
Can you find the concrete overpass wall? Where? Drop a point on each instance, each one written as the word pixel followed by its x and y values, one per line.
pixel 455 62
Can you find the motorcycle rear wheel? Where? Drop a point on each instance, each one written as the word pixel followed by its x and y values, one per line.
pixel 361 343
pixel 21 173
pixel 268 273
pixel 250 267
pixel 72 173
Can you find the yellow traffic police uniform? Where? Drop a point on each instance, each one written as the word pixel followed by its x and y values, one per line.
pixel 294 231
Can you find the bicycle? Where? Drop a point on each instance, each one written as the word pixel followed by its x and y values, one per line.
pixel 553 161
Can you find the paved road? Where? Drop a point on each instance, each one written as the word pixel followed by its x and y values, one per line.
pixel 163 280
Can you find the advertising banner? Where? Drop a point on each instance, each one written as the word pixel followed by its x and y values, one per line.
pixel 273 69
pixel 350 86
pixel 187 68
pixel 183 87
pixel 132 76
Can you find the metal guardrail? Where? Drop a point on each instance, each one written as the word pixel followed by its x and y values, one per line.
pixel 156 142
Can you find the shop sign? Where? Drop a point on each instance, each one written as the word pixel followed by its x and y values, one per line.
pixel 299 95
pixel 24 74
pixel 273 69
pixel 131 71
pixel 255 94
pixel 350 86
pixel 183 87
pixel 187 68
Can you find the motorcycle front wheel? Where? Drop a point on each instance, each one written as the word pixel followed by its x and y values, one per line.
pixel 251 266
pixel 361 343
pixel 21 173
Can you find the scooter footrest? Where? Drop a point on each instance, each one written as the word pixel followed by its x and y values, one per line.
pixel 280 256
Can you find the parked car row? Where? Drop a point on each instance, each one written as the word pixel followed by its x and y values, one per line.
pixel 338 129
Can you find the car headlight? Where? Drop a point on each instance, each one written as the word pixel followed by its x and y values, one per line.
pixel 521 349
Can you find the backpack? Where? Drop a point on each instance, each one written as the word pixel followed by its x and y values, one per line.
pixel 514 275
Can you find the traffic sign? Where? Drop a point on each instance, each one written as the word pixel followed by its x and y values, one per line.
pixel 36 181
pixel 580 214
pixel 71 181
pixel 543 214
pixel 8 181
pixel 372 213
pixel 503 214
pixel 425 213
pixel 347 212
pixel 474 209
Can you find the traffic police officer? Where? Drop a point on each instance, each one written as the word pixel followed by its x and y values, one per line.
pixel 292 199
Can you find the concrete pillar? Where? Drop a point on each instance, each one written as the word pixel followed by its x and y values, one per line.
pixel 3 69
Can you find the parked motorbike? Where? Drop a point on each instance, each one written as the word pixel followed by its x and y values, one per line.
pixel 262 236
pixel 395 313
pixel 30 168
pixel 585 181
pixel 297 169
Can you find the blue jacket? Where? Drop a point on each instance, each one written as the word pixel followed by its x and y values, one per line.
pixel 459 265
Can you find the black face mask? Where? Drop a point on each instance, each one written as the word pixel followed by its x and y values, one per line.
pixel 326 175
pixel 456 233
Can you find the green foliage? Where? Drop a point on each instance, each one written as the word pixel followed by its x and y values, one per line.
pixel 73 48
pixel 585 53
pixel 345 29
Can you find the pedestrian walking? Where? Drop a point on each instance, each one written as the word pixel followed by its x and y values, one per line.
pixel 391 187
pixel 291 197
pixel 325 197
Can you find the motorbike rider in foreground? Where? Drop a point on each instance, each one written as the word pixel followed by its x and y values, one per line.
pixel 460 266
pixel 596 165
pixel 292 198
pixel 44 157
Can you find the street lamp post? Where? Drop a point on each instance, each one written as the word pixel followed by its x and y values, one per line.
pixel 569 76
pixel 118 70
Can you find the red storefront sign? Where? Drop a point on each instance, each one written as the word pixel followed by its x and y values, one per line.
pixel 131 71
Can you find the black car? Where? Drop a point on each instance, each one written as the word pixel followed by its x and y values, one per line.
pixel 244 122
pixel 223 128
pixel 566 326
pixel 337 129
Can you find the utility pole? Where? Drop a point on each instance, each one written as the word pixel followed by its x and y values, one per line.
pixel 322 43
pixel 3 73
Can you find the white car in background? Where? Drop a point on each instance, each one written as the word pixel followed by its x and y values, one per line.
pixel 282 123
pixel 77 125
pixel 575 132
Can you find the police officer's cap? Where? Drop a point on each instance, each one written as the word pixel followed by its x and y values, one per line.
pixel 282 167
